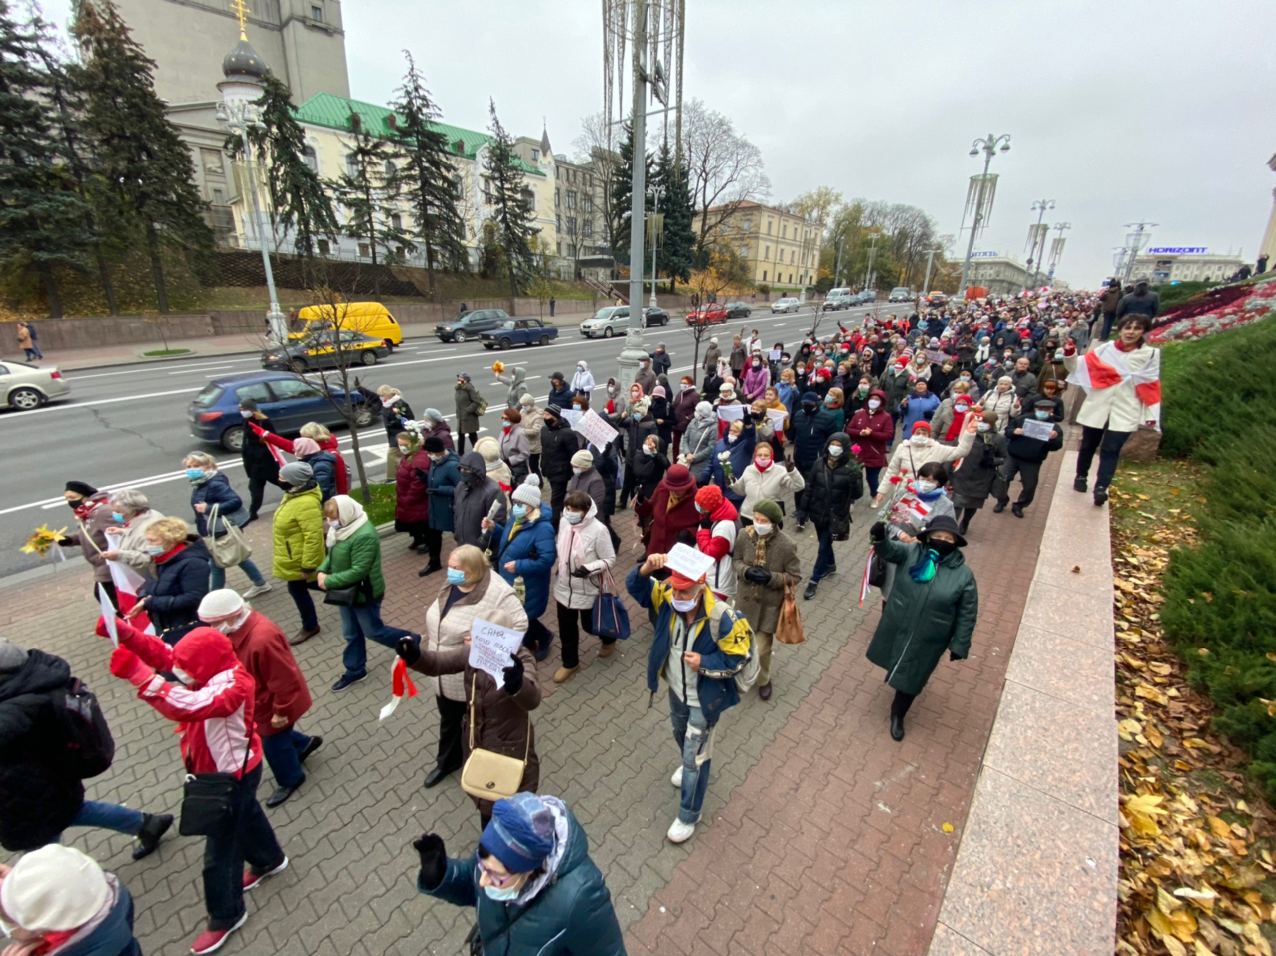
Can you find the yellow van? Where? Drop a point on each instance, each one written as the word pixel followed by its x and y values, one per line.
pixel 369 318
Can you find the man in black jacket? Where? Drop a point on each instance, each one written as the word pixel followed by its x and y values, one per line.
pixel 1025 454
pixel 41 793
pixel 558 443
pixel 812 425
pixel 1142 301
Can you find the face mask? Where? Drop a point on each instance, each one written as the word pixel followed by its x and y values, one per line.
pixel 194 474
pixel 404 451
pixel 333 523
pixel 863 389
pixel 732 439
pixel 920 439
pixel 648 450
pixel 502 894
pixel 436 458
pixel 762 464
pixel 835 451
pixel 762 529
pixel 1040 415
pixel 683 386
pixel 154 549
pixel 184 677
pixel 757 416
pixel 519 511
pixel 245 413
pixel 925 487
pixel 117 517
pixel 455 576
pixel 472 477
pixel 830 402
pixel 387 402
pixel 573 517
pixel 809 407
pixel 74 502
pixel 982 426
pixel 963 407
pixel 685 607
pixel 942 548
pixel 874 404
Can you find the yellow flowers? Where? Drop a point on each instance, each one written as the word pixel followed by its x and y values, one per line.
pixel 42 539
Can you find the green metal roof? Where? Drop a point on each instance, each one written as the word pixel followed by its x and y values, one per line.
pixel 325 109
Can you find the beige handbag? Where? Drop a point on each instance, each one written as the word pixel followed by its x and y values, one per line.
pixel 488 775
pixel 229 549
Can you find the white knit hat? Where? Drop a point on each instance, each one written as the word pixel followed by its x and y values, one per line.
pixel 54 888
pixel 529 492
pixel 220 604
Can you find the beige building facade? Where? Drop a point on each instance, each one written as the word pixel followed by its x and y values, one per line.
pixel 1163 264
pixel 780 249
pixel 1000 275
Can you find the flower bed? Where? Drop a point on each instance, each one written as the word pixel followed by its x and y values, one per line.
pixel 1215 311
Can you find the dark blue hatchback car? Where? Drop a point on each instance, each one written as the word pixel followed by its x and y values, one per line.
pixel 290 400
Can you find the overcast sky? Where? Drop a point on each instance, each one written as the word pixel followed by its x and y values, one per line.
pixel 1119 110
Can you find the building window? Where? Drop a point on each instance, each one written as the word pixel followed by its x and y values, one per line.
pixel 557 198
pixel 764 273
pixel 324 247
pixel 219 196
pixel 316 12
pixel 396 222
pixel 352 165
pixel 588 231
pixel 768 228
pixel 310 158
pixel 767 256
pixel 365 252
pixel 536 155
pixel 784 230
pixel 389 169
pixel 571 199
pixel 790 278
pixel 571 225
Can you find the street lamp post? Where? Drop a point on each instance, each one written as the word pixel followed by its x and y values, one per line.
pixel 1134 242
pixel 872 254
pixel 988 144
pixel 1118 261
pixel 930 261
pixel 1057 251
pixel 240 113
pixel 657 224
pixel 1040 207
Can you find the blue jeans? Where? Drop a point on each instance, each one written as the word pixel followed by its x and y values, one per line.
pixel 873 475
pixel 824 557
pixel 109 816
pixel 364 621
pixel 691 732
pixel 299 591
pixel 283 753
pixel 246 836
pixel 217 576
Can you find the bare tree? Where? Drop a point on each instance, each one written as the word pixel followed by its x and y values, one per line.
pixel 725 170
pixel 724 268
pixel 591 150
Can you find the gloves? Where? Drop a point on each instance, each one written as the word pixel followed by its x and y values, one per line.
pixel 581 573
pixel 954 656
pixel 409 649
pixel 123 628
pixel 877 532
pixel 128 666
pixel 429 846
pixel 513 675
pixel 757 575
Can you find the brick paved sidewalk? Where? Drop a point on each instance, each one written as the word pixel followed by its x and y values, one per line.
pixel 821 834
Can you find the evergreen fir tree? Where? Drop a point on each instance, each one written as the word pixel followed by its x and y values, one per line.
pixel 621 198
pixel 299 200
pixel 675 254
pixel 134 146
pixel 425 177
pixel 41 213
pixel 364 190
pixel 511 210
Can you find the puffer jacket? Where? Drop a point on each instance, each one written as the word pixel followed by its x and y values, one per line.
pixel 412 491
pixel 40 794
pixel 493 600
pixel 697 445
pixel 181 581
pixel 740 454
pixel 215 718
pixel 972 481
pixel 585 545
pixel 872 453
pixel 341 474
pixel 919 408
pixel 445 475
pixel 830 491
pixel 908 458
pixel 354 559
pixel 532 423
pixel 533 551
pixel 557 447
pixel 298 534
pixel 810 434
pixel 566 911
pixel 216 491
pixel 471 503
pixel 760 603
pixel 324 465
pixel 1005 404
pixel 111 932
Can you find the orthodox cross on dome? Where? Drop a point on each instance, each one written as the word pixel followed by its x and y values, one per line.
pixel 241 14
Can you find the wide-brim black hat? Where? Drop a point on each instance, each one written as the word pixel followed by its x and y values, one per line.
pixel 945 523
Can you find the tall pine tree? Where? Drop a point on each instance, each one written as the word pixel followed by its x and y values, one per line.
pixel 42 215
pixel 365 192
pixel 621 196
pixel 675 253
pixel 299 200
pixel 512 212
pixel 134 146
pixel 424 176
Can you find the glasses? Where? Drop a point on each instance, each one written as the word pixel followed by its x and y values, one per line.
pixel 500 880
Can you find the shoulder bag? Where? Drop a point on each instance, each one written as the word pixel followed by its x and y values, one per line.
pixel 788 630
pixel 609 617
pixel 488 775
pixel 208 799
pixel 229 549
pixel 347 597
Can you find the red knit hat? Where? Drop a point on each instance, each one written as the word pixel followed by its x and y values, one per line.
pixel 709 498
pixel 921 426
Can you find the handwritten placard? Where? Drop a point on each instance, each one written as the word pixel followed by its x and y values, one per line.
pixel 595 428
pixel 1042 431
pixel 492 646
pixel 688 562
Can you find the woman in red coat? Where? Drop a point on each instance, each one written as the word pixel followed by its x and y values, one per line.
pixel 872 428
pixel 670 511
pixel 412 490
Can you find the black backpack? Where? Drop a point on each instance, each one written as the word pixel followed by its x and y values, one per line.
pixel 87 744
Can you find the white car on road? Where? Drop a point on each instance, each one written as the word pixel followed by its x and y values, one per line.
pixel 25 387
pixel 780 306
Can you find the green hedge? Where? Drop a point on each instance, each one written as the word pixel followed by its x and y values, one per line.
pixel 1220 396
pixel 1172 295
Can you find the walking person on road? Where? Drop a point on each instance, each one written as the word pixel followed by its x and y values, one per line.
pixel 1025 455
pixel 211 490
pixel 584 553
pixel 412 490
pixel 299 543
pixel 974 480
pixel 280 686
pixel 523 554
pixel 132 510
pixel 532 419
pixel 469 405
pixel 444 477
pixel 395 415
pixel 182 573
pixel 475 498
pixel 93 517
pixel 41 790
pixel 699 645
pixel 213 707
pixel 767 564
pixel 559 392
pixel 26 342
pixel 534 888
pixel 261 463
pixel 932 608
pixel 558 443
pixel 835 483
pixel 496 714
pixel 582 379
pixel 513 378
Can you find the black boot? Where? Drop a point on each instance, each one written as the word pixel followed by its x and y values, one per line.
pixel 1000 507
pixel 1080 484
pixel 154 826
pixel 897 726
pixel 1100 496
pixel 429 569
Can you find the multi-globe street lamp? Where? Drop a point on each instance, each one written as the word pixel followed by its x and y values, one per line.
pixel 988 145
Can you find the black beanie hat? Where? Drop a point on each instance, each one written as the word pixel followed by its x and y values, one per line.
pixel 435 444
pixel 81 488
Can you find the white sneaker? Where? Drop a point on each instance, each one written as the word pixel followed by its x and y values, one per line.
pixel 676 779
pixel 256 589
pixel 680 832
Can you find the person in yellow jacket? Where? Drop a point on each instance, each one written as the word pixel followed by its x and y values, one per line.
pixel 299 542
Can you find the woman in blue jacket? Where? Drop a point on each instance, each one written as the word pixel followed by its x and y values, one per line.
pixel 525 547
pixel 920 405
pixel 532 882
pixel 211 489
pixel 444 476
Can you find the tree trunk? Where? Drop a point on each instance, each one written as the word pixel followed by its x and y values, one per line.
pixel 157 267
pixel 52 290
pixel 104 278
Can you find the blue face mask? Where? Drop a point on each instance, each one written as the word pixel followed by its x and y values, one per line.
pixel 117 517
pixel 154 549
pixel 194 474
pixel 455 576
pixel 1040 414
pixel 501 894
pixel 519 511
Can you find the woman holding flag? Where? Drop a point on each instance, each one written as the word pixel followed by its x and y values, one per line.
pixel 1122 382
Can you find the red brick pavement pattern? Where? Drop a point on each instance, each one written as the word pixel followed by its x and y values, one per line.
pixel 835 842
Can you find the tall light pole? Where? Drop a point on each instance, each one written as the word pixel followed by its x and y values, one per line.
pixel 930 261
pixel 1040 207
pixel 1134 242
pixel 638 185
pixel 1118 261
pixel 837 271
pixel 1056 249
pixel 872 254
pixel 239 111
pixel 656 220
pixel 988 145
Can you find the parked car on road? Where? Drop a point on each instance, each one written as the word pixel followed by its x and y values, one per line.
pixel 900 294
pixel 712 314
pixel 836 302
pixel 323 349
pixel 864 297
pixel 287 399
pixel 370 318
pixel 738 310
pixel 614 320
pixel 936 299
pixel 471 325
pixel 787 304
pixel 24 387
pixel 519 332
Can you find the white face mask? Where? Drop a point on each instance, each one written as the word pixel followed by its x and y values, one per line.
pixel 578 471
pixel 874 404
pixel 835 451
pixel 502 894
pixel 982 426
pixel 184 677
pixel 920 439
pixel 332 523
pixel 573 517
pixel 762 529
pixel 925 486
pixel 685 607
pixel 648 450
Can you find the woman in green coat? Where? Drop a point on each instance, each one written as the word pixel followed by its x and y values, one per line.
pixel 298 539
pixel 354 565
pixel 931 608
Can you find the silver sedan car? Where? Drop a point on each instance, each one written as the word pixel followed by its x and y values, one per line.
pixel 25 387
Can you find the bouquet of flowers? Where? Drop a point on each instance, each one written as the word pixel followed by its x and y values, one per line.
pixel 43 540
pixel 724 459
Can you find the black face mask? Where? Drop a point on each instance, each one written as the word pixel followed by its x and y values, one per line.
pixel 758 416
pixel 471 477
pixel 809 408
pixel 942 548
pixel 284 486
pixel 74 502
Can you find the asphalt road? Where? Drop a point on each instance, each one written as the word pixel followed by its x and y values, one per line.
pixel 126 425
